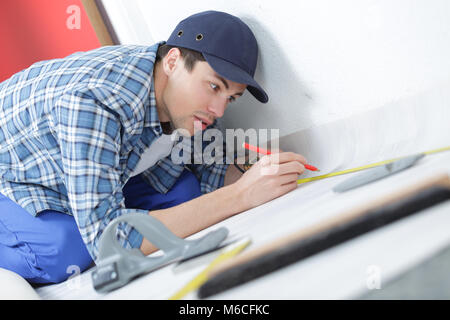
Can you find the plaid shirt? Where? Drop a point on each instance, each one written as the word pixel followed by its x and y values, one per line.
pixel 72 130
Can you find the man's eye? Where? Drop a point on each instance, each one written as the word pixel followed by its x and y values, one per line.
pixel 215 87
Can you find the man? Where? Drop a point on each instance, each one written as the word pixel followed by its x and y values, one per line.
pixel 84 140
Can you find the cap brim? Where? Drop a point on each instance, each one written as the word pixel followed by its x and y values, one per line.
pixel 232 72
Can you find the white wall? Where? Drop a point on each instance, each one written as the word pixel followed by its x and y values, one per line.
pixel 320 60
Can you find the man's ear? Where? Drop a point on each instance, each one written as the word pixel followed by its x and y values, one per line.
pixel 171 60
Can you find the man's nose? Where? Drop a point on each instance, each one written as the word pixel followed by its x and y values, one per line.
pixel 218 106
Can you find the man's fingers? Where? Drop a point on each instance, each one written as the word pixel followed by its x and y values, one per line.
pixel 291 167
pixel 288 178
pixel 287 188
pixel 278 158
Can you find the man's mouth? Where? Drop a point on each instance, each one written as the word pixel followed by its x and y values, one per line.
pixel 204 122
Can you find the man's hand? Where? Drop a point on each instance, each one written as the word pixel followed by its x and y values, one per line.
pixel 271 177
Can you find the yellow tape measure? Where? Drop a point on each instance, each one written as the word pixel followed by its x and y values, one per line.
pixel 227 253
pixel 364 167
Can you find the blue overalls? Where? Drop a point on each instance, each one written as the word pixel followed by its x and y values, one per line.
pixel 41 249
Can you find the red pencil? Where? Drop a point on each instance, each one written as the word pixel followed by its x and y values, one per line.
pixel 264 151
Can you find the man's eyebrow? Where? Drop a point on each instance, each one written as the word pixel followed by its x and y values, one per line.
pixel 226 84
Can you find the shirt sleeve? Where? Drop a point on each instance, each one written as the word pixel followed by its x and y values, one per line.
pixel 211 177
pixel 88 130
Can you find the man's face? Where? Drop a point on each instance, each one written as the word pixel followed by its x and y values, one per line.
pixel 199 96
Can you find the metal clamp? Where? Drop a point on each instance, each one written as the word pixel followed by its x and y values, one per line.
pixel 117 266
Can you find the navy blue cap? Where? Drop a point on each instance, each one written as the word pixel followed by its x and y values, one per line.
pixel 227 44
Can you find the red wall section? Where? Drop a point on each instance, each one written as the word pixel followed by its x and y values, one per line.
pixel 35 30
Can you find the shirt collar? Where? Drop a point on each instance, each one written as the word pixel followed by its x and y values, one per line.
pixel 151 116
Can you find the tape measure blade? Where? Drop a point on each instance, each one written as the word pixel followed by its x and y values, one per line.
pixel 378 173
pixel 363 178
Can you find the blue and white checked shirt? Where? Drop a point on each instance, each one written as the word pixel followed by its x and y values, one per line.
pixel 72 130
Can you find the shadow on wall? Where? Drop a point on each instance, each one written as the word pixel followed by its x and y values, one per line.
pixel 287 93
pixel 399 128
